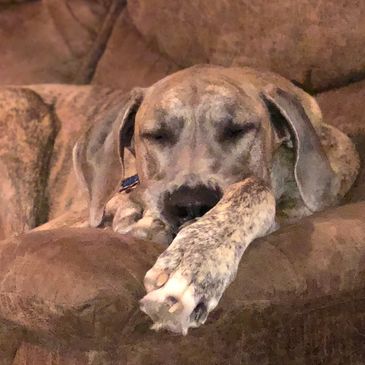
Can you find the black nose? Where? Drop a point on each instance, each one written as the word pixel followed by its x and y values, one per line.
pixel 187 203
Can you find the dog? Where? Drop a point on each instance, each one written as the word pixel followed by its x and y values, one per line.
pixel 223 156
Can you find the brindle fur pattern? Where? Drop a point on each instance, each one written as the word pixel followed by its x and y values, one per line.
pixel 183 132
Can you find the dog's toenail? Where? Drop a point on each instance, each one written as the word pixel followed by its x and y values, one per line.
pixel 161 280
pixel 199 312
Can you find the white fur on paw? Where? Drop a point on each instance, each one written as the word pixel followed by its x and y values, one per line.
pixel 174 306
pixel 170 306
pixel 147 228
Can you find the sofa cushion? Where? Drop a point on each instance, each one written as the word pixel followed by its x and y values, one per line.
pixel 47 41
pixel 128 61
pixel 80 288
pixel 320 46
pixel 27 133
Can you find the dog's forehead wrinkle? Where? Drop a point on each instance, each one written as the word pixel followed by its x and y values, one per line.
pixel 179 97
pixel 172 102
pixel 166 120
pixel 215 107
pixel 221 90
pixel 218 108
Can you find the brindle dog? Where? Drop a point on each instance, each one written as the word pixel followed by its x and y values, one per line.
pixel 218 151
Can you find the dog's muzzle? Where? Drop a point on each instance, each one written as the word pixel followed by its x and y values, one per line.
pixel 188 203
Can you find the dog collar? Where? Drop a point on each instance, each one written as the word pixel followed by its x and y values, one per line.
pixel 129 183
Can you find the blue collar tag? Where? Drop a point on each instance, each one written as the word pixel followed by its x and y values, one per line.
pixel 129 183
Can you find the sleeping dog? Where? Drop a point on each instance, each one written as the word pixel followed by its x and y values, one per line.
pixel 223 155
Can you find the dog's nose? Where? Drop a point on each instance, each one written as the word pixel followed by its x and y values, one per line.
pixel 187 203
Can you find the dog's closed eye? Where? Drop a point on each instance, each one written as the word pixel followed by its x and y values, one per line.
pixel 231 131
pixel 161 136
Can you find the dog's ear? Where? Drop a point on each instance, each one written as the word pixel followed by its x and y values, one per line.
pixel 312 170
pixel 98 156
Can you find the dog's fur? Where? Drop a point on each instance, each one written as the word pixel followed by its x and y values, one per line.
pixel 250 141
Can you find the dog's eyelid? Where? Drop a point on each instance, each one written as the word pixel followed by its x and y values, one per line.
pixel 247 127
pixel 252 126
pixel 154 134
pixel 233 131
pixel 160 135
pixel 156 131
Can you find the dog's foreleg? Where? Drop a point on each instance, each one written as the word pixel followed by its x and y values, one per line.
pixel 189 278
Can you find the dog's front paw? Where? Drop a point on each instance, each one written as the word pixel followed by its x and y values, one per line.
pixel 187 281
pixel 130 218
pixel 147 228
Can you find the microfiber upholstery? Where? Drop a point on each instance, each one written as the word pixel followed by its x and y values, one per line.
pixel 298 294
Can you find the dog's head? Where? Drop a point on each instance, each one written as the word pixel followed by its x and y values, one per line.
pixel 198 131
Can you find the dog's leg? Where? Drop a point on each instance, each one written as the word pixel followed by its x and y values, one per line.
pixel 130 217
pixel 190 277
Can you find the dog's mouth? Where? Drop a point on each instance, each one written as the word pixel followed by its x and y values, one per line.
pixel 186 204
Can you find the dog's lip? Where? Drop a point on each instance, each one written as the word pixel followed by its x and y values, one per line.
pixel 187 223
pixel 176 229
